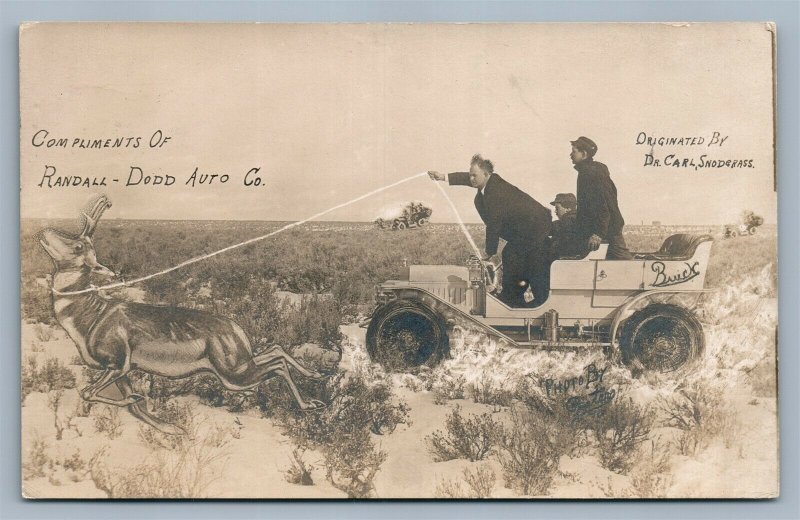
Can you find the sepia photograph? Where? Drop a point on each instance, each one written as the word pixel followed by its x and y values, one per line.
pixel 398 261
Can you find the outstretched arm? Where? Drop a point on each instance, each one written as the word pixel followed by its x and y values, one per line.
pixel 454 179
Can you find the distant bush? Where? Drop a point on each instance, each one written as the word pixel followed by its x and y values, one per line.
pixel 471 438
pixel 53 375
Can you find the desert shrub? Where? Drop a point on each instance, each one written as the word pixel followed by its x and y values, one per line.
pixel 650 475
pixel 355 409
pixel 183 467
pixel 448 388
pixel 619 431
pixel 529 452
pixel 352 463
pixel 352 404
pixel 479 484
pixel 486 391
pixel 35 300
pixel 696 408
pixel 53 375
pixel 316 320
pixel 299 472
pixel 62 422
pixel 571 435
pixel 36 459
pixel 107 421
pixel 44 333
pixel 173 412
pixel 470 438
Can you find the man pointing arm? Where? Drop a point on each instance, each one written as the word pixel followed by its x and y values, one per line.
pixel 516 217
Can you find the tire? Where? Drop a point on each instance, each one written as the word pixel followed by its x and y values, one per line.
pixel 662 338
pixel 751 231
pixel 734 234
pixel 422 222
pixel 404 334
pixel 400 224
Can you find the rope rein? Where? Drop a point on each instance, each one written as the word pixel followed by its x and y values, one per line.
pixel 200 258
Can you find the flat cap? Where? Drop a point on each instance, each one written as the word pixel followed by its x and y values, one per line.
pixel 585 144
pixel 567 200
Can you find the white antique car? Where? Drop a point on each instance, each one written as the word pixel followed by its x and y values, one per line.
pixel 639 311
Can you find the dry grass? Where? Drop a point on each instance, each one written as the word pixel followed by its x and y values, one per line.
pixel 477 484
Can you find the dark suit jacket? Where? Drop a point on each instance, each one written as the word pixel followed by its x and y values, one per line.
pixel 565 241
pixel 509 213
pixel 598 211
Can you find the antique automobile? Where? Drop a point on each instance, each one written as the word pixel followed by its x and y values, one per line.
pixel 750 222
pixel 414 214
pixel 638 311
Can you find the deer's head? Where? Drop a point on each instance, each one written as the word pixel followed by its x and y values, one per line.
pixel 75 253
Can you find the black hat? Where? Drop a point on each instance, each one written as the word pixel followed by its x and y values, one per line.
pixel 567 200
pixel 585 144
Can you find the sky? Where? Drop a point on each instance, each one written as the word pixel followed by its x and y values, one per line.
pixel 330 112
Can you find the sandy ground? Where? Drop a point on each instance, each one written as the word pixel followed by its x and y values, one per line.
pixel 254 461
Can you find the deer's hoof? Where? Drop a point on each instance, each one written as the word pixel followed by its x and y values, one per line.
pixel 134 398
pixel 313 405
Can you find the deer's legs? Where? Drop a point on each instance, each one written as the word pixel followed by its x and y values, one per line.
pixel 139 411
pixel 277 353
pixel 276 367
pixel 99 381
pixel 90 393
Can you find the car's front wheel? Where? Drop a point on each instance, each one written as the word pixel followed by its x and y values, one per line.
pixel 662 338
pixel 404 334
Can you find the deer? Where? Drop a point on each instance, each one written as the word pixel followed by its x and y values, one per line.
pixel 117 336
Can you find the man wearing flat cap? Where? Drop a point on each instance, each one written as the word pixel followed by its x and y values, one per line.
pixel 513 215
pixel 564 241
pixel 598 218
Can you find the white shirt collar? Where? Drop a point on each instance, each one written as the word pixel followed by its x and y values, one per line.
pixel 483 190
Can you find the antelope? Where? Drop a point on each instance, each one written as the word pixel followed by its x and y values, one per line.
pixel 118 336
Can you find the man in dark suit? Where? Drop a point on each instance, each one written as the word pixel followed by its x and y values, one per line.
pixel 516 217
pixel 598 218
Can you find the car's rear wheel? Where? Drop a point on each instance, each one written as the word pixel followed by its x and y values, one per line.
pixel 422 221
pixel 662 338
pixel 404 334
pixel 752 231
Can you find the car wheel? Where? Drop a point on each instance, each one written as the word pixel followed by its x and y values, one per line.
pixel 404 334
pixel 752 231
pixel 734 234
pixel 401 225
pixel 662 338
pixel 422 221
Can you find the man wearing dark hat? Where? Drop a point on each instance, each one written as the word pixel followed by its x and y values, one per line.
pixel 564 241
pixel 598 218
pixel 513 215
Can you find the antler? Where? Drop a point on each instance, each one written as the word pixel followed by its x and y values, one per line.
pixel 90 220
